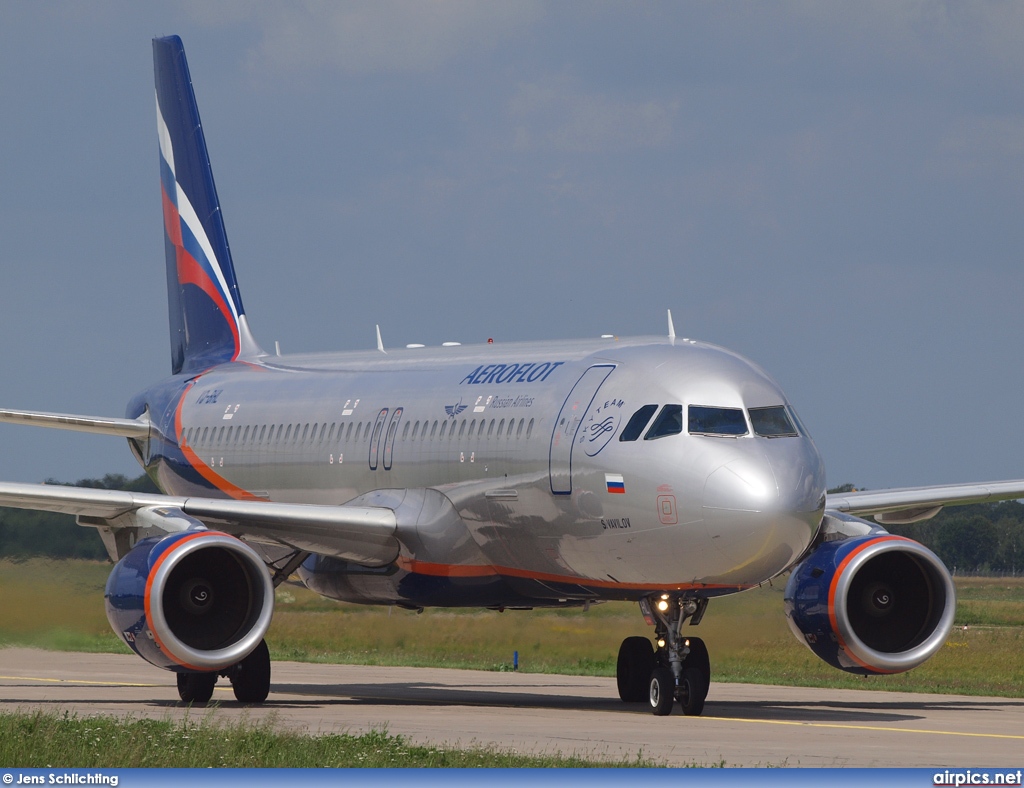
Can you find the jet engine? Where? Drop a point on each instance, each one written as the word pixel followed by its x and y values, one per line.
pixel 871 604
pixel 195 600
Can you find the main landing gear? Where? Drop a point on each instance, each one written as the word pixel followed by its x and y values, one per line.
pixel 250 679
pixel 679 669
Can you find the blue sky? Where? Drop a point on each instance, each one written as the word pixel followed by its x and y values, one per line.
pixel 833 190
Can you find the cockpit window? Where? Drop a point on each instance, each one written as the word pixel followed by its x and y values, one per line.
pixel 772 422
pixel 716 421
pixel 669 422
pixel 637 422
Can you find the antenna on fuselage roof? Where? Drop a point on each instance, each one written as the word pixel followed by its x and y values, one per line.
pixel 671 327
pixel 380 342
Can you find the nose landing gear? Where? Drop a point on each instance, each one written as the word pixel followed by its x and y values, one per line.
pixel 679 669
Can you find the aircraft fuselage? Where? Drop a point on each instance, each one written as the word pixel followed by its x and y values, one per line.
pixel 551 505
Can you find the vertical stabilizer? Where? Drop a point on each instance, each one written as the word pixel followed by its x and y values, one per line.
pixel 207 319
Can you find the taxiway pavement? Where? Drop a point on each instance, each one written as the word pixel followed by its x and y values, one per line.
pixel 742 725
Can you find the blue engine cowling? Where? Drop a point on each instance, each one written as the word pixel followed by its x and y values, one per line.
pixel 194 600
pixel 871 604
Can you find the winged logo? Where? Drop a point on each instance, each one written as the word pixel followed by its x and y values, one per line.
pixel 456 409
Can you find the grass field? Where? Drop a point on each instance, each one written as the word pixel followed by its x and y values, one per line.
pixel 40 739
pixel 59 605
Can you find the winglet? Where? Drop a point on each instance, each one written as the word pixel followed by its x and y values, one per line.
pixel 380 342
pixel 671 327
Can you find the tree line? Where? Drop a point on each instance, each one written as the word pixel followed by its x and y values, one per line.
pixel 25 533
pixel 980 539
pixel 977 539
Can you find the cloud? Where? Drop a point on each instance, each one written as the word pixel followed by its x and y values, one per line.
pixel 389 36
pixel 554 115
pixel 980 145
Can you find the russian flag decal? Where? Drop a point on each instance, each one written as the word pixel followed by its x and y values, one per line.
pixel 615 483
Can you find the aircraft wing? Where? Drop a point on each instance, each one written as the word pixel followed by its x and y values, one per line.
pixel 362 534
pixel 911 504
pixel 128 428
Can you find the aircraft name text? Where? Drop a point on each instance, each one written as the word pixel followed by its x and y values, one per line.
pixel 530 372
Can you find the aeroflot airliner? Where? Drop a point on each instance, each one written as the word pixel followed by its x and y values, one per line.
pixel 659 470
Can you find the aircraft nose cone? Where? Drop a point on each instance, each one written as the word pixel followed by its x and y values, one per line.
pixel 762 509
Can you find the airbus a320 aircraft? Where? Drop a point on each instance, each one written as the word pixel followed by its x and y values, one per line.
pixel 663 471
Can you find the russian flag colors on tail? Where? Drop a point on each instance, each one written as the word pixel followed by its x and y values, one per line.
pixel 207 320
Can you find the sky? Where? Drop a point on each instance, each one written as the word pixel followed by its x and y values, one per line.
pixel 835 191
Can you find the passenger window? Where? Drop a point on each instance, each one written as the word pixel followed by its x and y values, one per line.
pixel 716 421
pixel 405 432
pixel 433 430
pixel 444 427
pixel 529 429
pixel 462 427
pixel 472 426
pixel 669 422
pixel 772 422
pixel 637 422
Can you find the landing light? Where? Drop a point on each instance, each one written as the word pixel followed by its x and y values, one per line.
pixel 661 642
pixel 662 605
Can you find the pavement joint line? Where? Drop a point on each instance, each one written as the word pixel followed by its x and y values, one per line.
pixel 886 729
pixel 79 681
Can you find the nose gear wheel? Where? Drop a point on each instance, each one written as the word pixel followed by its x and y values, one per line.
pixel 679 668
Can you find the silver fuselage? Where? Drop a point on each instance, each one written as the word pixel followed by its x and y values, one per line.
pixel 524 442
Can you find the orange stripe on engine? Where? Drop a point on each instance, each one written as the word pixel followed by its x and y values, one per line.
pixel 832 598
pixel 149 586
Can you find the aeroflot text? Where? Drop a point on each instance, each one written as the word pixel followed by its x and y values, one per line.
pixel 511 373
pixel 976 778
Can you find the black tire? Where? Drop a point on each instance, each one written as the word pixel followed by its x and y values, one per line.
pixel 693 689
pixel 196 687
pixel 696 678
pixel 250 678
pixel 633 669
pixel 661 691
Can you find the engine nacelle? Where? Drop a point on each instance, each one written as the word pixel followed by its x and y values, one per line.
pixel 194 600
pixel 871 604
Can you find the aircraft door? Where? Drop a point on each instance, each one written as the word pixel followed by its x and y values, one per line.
pixel 567 425
pixel 389 442
pixel 375 438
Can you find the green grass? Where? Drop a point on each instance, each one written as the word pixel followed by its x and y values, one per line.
pixel 47 739
pixel 59 605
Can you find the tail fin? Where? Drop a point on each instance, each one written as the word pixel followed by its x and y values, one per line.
pixel 207 319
